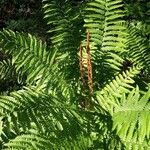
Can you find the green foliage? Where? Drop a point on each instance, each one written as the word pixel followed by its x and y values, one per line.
pixel 42 109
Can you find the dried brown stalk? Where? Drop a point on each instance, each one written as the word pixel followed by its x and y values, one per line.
pixel 89 64
pixel 81 64
pixel 86 74
pixel 87 68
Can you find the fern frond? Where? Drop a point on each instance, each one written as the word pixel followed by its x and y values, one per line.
pixel 131 119
pixel 63 18
pixel 29 141
pixel 28 52
pixel 28 109
pixel 138 49
pixel 103 21
pixel 65 22
pixel 123 83
pixel 31 56
pixel 129 114
pixel 35 141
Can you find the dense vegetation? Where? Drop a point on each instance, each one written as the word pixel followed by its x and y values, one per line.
pixel 75 75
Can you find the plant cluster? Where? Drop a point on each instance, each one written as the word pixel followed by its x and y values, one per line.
pixel 89 89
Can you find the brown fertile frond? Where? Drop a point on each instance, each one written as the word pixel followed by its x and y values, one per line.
pixel 89 64
pixel 81 64
pixel 86 66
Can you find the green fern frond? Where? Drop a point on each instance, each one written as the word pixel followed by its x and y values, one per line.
pixel 131 119
pixel 28 109
pixel 65 22
pixel 29 141
pixel 103 21
pixel 63 18
pixel 138 50
pixel 27 52
pixel 130 116
pixel 31 56
pixel 123 83
pixel 47 142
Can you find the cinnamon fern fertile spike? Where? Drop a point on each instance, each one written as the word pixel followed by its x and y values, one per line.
pixel 87 69
pixel 81 64
pixel 89 64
